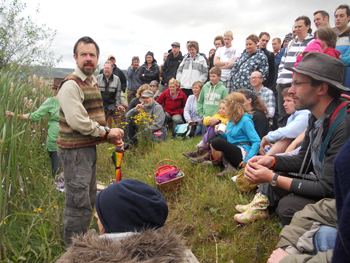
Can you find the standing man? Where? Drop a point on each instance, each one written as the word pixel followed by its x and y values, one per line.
pixel 218 42
pixel 171 65
pixel 224 58
pixel 110 88
pixel 317 86
pixel 303 38
pixel 276 46
pixel 117 71
pixel 264 40
pixel 81 127
pixel 266 95
pixel 133 77
pixel 342 18
pixel 321 19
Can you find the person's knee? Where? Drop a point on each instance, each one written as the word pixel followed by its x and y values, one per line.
pixel 286 210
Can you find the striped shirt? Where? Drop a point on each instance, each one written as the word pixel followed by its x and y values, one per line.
pixel 289 59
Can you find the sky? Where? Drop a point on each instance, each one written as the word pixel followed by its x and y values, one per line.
pixel 132 28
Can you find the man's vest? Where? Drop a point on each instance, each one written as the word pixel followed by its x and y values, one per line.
pixel 69 138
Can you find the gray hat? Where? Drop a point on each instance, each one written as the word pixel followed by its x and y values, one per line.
pixel 176 44
pixel 147 93
pixel 322 67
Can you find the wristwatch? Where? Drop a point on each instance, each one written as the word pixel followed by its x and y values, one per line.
pixel 107 130
pixel 273 182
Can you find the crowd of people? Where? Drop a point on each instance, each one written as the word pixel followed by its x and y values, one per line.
pixel 279 115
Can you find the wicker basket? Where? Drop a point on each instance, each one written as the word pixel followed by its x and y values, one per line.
pixel 171 185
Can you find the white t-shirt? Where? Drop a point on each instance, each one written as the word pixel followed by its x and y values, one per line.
pixel 226 54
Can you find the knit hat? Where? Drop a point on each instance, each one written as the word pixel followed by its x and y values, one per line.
pixel 149 53
pixel 130 205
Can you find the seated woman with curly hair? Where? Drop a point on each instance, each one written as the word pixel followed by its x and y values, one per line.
pixel 241 141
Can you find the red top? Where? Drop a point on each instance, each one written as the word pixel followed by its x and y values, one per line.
pixel 173 105
pixel 332 52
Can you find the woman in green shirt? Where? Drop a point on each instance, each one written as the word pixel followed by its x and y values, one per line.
pixel 51 106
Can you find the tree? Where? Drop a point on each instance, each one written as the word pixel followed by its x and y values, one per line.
pixel 21 41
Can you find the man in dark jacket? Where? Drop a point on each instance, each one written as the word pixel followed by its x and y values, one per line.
pixel 117 71
pixel 264 40
pixel 171 64
pixel 317 86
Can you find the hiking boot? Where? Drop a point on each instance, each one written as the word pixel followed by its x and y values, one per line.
pixel 195 153
pixel 229 169
pixel 207 163
pixel 205 157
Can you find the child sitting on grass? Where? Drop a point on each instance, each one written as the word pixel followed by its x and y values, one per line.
pixel 202 152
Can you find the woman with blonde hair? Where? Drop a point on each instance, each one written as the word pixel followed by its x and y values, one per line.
pixel 241 142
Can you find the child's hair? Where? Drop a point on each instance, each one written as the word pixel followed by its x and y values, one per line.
pixel 174 81
pixel 141 89
pixel 200 84
pixel 285 93
pixel 235 109
pixel 223 102
pixel 328 35
pixel 257 103
pixel 215 70
pixel 228 33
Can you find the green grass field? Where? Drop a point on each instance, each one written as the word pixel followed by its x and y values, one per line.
pixel 32 209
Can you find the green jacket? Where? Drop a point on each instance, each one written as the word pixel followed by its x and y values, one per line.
pixel 51 106
pixel 297 238
pixel 209 99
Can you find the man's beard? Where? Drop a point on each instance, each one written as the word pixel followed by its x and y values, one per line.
pixel 108 75
pixel 88 72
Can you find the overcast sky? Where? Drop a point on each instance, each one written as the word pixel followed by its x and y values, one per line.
pixel 131 28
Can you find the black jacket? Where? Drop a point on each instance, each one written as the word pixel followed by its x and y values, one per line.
pixel 323 187
pixel 170 67
pixel 261 123
pixel 271 60
pixel 151 73
pixel 117 71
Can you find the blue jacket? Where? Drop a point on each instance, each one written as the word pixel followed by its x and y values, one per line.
pixel 243 132
pixel 133 78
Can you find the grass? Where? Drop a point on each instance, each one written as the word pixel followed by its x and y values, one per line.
pixel 32 210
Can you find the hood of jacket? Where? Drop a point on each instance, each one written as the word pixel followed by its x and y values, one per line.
pixel 171 56
pixel 148 246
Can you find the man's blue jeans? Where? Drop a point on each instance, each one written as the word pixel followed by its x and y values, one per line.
pixel 325 238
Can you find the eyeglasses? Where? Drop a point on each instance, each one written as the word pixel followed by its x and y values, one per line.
pixel 153 85
pixel 253 78
pixel 298 84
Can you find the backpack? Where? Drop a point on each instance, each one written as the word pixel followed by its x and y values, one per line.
pixel 340 112
pixel 184 130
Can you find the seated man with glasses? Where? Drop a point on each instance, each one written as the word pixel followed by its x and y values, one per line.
pixel 308 176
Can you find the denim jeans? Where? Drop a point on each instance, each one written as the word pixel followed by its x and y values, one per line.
pixel 324 238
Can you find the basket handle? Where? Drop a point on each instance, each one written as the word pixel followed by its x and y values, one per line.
pixel 155 166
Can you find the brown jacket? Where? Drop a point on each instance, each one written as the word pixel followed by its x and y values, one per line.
pixel 150 246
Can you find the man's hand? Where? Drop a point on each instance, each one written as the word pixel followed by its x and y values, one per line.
pixel 116 137
pixel 277 255
pixel 213 122
pixel 189 121
pixel 139 107
pixel 266 161
pixel 256 173
pixel 120 108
